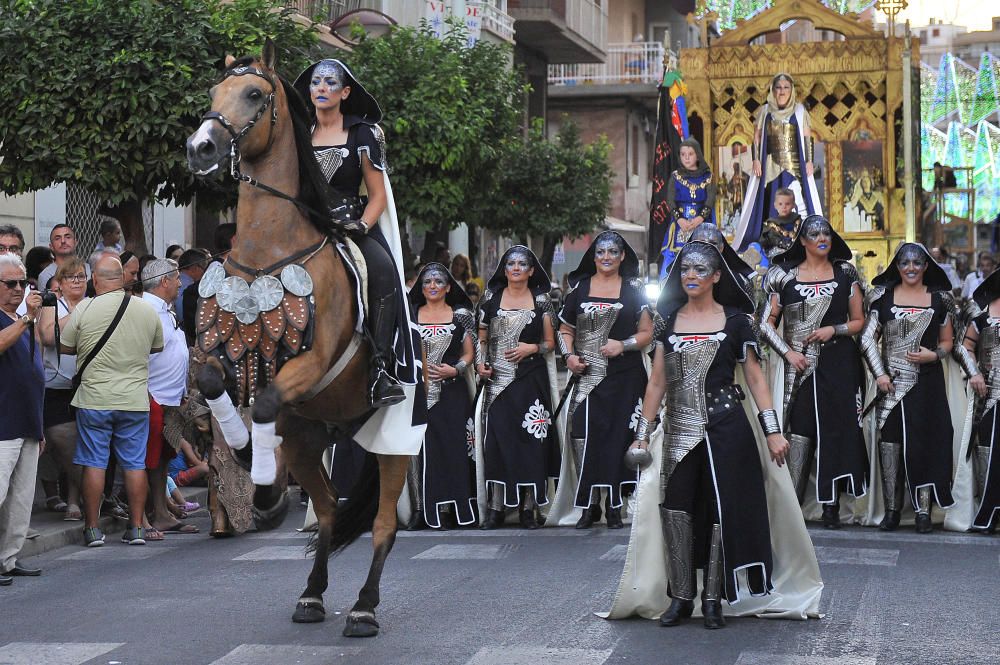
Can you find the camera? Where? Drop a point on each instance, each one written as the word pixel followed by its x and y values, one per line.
pixel 49 298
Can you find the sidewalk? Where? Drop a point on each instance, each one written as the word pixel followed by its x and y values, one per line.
pixel 55 533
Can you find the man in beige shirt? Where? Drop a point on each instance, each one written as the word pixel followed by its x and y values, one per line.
pixel 113 401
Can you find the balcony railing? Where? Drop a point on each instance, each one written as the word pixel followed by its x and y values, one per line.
pixel 495 19
pixel 587 18
pixel 323 11
pixel 627 63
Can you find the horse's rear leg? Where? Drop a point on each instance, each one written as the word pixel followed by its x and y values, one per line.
pixel 392 473
pixel 303 453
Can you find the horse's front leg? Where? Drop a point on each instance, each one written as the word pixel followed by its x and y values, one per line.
pixel 392 474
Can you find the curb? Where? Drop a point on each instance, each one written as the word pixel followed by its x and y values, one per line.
pixel 56 534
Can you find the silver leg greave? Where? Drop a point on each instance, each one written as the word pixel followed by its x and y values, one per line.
pixel 528 498
pixel 415 482
pixel 678 534
pixel 798 453
pixel 891 456
pixel 577 446
pixel 496 497
pixel 713 572
pixel 981 461
pixel 924 500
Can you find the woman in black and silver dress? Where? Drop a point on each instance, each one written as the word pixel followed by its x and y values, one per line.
pixel 979 356
pixel 519 443
pixel 714 509
pixel 444 470
pixel 816 293
pixel 606 323
pixel 911 313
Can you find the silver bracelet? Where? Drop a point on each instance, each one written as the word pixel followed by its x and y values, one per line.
pixel 769 421
pixel 940 353
pixel 630 344
pixel 460 366
pixel 840 330
pixel 543 348
pixel 642 429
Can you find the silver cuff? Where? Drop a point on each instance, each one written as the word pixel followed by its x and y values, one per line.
pixel 561 345
pixel 642 429
pixel 543 348
pixel 841 330
pixel 940 353
pixel 630 344
pixel 768 332
pixel 768 419
pixel 460 366
pixel 869 347
pixel 965 359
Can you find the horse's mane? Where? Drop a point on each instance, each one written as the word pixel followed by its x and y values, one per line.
pixel 314 190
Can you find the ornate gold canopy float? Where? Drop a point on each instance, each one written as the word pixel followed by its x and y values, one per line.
pixel 853 88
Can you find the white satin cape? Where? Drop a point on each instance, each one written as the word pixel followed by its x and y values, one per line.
pixel 642 589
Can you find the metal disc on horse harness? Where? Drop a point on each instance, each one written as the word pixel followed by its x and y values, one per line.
pixel 297 280
pixel 267 292
pixel 247 310
pixel 211 280
pixel 232 291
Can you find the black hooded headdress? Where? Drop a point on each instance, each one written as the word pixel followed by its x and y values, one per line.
pixel 796 254
pixel 359 105
pixel 588 267
pixel 538 283
pixel 456 297
pixel 988 290
pixel 935 278
pixel 727 292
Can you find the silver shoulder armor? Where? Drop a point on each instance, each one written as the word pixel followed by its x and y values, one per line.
pixel 948 299
pixel 873 294
pixel 848 269
pixel 468 321
pixel 774 281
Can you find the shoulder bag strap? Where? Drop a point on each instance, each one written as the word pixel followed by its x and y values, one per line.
pixel 78 377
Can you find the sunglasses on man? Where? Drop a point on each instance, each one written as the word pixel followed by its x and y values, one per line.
pixel 14 283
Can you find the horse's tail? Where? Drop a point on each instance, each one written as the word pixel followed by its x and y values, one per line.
pixel 357 515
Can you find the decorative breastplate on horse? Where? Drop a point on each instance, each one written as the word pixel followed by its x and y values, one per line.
pixel 988 352
pixel 783 146
pixel 800 320
pixel 592 330
pixel 435 338
pixel 900 335
pixel 259 324
pixel 504 335
pixel 685 411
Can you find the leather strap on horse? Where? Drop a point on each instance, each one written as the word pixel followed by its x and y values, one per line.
pixel 257 272
pixel 335 371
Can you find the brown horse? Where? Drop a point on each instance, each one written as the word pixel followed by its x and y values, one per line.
pixel 259 125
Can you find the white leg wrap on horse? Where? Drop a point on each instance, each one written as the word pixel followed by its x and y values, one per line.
pixel 264 468
pixel 230 423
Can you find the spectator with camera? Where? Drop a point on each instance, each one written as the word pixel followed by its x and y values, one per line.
pixel 70 282
pixel 21 394
pixel 112 335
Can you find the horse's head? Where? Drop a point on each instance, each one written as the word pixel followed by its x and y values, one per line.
pixel 241 123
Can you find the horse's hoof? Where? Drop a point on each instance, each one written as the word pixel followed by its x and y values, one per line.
pixel 309 611
pixel 361 624
pixel 267 519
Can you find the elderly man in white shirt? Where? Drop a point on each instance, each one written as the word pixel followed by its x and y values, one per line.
pixel 168 371
pixel 985 266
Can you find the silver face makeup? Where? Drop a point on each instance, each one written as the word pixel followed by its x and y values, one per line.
pixel 701 262
pixel 518 261
pixel 434 279
pixel 817 230
pixel 329 74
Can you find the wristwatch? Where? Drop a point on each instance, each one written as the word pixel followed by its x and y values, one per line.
pixel 26 320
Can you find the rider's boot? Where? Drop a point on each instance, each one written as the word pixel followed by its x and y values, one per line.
pixel 385 390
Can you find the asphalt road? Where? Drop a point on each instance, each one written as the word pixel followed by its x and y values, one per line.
pixel 485 598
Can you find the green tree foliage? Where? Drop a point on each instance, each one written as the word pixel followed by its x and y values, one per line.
pixel 448 111
pixel 103 93
pixel 550 188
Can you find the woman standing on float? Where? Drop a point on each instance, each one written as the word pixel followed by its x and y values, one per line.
pixel 911 313
pixel 606 322
pixel 443 474
pixel 350 148
pixel 518 439
pixel 782 157
pixel 816 293
pixel 714 508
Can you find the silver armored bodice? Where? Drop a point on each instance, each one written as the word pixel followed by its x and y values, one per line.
pixel 801 319
pixel 782 148
pixel 505 332
pixel 988 356
pixel 593 327
pixel 685 411
pixel 899 336
pixel 435 339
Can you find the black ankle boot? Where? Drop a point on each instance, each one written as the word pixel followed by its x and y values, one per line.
pixel 614 518
pixel 385 390
pixel 923 523
pixel 677 612
pixel 528 520
pixel 586 519
pixel 831 515
pixel 494 519
pixel 890 522
pixel 416 522
pixel 711 610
